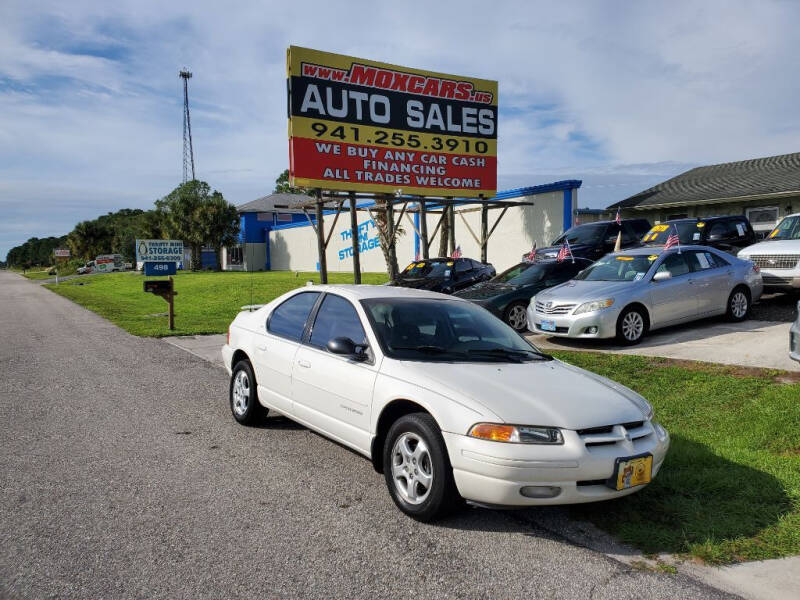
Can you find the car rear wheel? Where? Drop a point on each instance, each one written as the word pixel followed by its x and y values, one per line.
pixel 245 406
pixel 631 326
pixel 738 304
pixel 517 317
pixel 417 468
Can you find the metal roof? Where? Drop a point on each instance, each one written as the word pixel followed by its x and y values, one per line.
pixel 772 176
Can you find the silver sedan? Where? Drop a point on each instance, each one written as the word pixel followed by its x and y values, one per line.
pixel 626 294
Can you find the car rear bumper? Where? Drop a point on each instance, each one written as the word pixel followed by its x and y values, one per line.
pixel 576 326
pixel 227 357
pixel 495 473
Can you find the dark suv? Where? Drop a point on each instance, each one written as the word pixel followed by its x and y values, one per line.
pixel 444 275
pixel 729 233
pixel 595 240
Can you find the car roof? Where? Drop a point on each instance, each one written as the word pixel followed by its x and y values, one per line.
pixel 647 250
pixel 366 291
pixel 703 219
pixel 631 220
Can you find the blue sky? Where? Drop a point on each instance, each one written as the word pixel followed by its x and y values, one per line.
pixel 619 94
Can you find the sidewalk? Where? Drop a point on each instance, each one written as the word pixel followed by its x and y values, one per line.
pixel 762 344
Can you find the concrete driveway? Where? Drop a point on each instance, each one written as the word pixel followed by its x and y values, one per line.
pixel 750 343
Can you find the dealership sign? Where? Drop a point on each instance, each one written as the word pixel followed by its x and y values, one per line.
pixel 61 252
pixel 361 125
pixel 159 250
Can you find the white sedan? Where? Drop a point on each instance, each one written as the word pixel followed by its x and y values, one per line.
pixel 447 401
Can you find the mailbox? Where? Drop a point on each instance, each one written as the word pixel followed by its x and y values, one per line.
pixel 161 287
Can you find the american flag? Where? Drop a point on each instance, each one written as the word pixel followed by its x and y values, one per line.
pixel 673 240
pixel 618 220
pixel 565 252
pixel 531 256
pixel 456 253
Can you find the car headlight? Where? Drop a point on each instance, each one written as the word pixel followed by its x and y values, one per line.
pixel 593 306
pixel 520 434
pixel 660 432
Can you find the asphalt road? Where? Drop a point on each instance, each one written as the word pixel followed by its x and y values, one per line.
pixel 124 476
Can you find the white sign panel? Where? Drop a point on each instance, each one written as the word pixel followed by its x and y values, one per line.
pixel 159 250
pixel 61 252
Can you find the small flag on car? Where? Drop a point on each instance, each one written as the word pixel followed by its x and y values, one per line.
pixel 456 253
pixel 531 256
pixel 673 240
pixel 618 220
pixel 565 252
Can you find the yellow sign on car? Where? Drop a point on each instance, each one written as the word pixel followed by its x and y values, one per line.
pixel 633 472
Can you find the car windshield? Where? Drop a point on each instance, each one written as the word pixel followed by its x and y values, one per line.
pixel 618 267
pixel 689 232
pixel 521 274
pixel 446 331
pixel 428 268
pixel 583 234
pixel 788 229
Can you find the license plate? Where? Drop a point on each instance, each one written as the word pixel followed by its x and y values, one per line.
pixel 632 471
pixel 547 325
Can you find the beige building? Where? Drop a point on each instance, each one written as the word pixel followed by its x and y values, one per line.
pixel 294 246
pixel 762 189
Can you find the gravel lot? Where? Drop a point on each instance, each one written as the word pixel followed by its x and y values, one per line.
pixel 124 476
pixel 776 307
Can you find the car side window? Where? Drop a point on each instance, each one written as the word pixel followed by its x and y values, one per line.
pixel 718 260
pixel 560 274
pixel 700 261
pixel 676 265
pixel 722 230
pixel 336 318
pixel 462 266
pixel 289 319
pixel 476 264
pixel 629 235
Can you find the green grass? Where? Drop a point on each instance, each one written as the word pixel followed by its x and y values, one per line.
pixel 206 302
pixel 730 486
pixel 36 273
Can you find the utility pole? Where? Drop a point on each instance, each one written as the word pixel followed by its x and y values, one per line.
pixel 188 151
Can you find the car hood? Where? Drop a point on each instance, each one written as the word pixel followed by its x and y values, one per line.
pixel 548 393
pixel 421 283
pixel 578 290
pixel 488 289
pixel 772 247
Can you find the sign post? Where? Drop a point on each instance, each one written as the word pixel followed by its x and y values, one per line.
pixel 160 257
pixel 61 254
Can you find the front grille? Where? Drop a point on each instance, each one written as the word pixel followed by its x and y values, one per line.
pixel 608 435
pixel 776 261
pixel 553 309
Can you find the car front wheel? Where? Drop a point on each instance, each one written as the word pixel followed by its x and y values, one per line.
pixel 631 326
pixel 417 469
pixel 517 317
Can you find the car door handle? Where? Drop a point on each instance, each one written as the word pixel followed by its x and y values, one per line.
pixel 262 347
pixel 304 363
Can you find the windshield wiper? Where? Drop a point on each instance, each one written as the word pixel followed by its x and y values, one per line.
pixel 423 348
pixel 518 353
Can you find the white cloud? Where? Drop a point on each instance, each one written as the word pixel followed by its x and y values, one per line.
pixel 90 101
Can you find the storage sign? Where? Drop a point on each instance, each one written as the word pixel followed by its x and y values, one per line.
pixel 361 125
pixel 159 250
pixel 61 252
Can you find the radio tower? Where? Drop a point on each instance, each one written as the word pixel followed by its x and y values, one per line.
pixel 188 152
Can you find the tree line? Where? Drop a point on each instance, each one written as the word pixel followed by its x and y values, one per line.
pixel 192 212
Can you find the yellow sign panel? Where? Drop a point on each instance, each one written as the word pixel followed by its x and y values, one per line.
pixel 362 125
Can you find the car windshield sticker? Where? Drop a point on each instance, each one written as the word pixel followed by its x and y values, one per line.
pixel 409 267
pixel 638 276
pixel 447 273
pixel 624 258
pixel 740 229
pixel 450 264
pixel 700 225
pixel 652 257
pixel 660 228
pixel 696 235
pixel 703 260
pixel 420 265
pixel 774 233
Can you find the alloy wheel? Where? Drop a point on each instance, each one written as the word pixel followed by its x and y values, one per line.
pixel 632 326
pixel 739 305
pixel 517 317
pixel 241 393
pixel 412 468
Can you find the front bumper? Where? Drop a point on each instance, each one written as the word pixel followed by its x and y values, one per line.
pixel 784 280
pixel 576 326
pixel 494 473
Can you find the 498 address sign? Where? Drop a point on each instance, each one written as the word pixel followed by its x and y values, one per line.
pixel 361 125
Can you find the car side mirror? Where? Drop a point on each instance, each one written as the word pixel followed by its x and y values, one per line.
pixel 662 276
pixel 347 347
